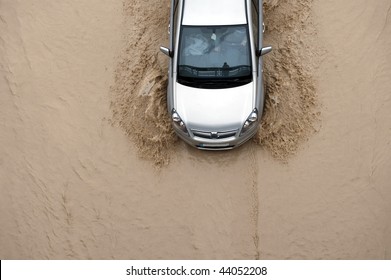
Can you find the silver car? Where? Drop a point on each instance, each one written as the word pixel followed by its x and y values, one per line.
pixel 215 91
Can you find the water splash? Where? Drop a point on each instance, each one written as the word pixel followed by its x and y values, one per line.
pixel 291 108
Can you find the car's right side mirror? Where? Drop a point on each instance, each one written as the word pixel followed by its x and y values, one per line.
pixel 265 50
pixel 166 51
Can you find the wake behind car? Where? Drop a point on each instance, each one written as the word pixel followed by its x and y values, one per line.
pixel 215 92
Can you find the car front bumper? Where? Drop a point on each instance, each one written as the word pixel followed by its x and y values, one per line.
pixel 216 144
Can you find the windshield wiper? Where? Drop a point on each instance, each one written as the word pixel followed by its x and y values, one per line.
pixel 214 83
pixel 185 81
pixel 218 71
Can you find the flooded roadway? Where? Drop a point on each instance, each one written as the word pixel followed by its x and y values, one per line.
pixel 73 184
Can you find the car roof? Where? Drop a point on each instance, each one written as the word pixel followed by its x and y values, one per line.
pixel 214 12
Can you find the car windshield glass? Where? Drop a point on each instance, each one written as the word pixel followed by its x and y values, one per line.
pixel 214 56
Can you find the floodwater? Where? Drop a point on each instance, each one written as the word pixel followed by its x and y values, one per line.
pixel 90 169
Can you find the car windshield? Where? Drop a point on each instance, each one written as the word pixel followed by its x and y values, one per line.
pixel 214 57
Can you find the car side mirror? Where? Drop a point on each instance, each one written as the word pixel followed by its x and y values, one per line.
pixel 265 50
pixel 166 51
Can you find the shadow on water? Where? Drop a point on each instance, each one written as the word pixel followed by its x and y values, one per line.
pixel 220 158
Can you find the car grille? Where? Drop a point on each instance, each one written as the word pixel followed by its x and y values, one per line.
pixel 214 135
pixel 229 147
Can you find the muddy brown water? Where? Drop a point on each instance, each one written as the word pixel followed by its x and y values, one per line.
pixel 84 125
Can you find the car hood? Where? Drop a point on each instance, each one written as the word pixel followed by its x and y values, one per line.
pixel 214 109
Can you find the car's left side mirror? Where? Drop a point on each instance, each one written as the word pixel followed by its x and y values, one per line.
pixel 166 51
pixel 265 50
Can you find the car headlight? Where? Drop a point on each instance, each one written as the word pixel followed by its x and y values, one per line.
pixel 177 121
pixel 250 122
